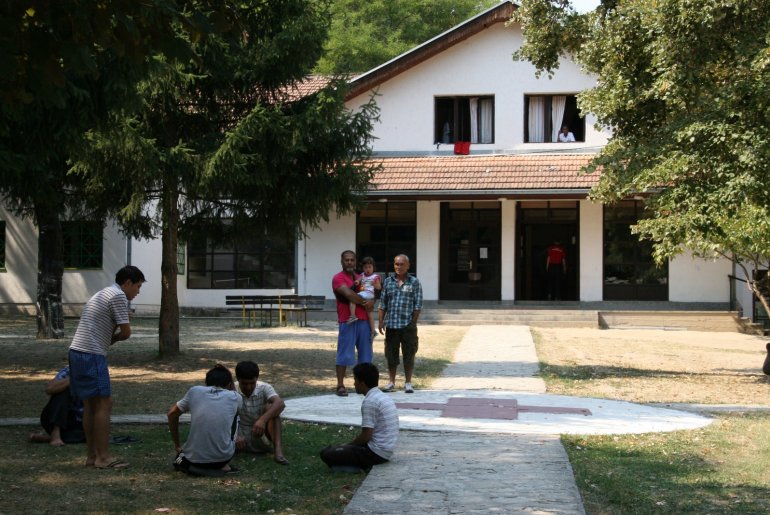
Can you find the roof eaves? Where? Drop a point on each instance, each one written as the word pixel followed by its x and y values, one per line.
pixel 376 76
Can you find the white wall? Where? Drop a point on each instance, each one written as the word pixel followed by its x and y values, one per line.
pixel 79 285
pixel 322 249
pixel 591 251
pixel 698 280
pixel 480 65
pixel 18 283
pixel 428 251
pixel 508 250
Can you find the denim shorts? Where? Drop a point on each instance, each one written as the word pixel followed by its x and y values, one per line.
pixel 89 375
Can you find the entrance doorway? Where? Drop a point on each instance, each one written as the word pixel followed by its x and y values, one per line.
pixel 539 225
pixel 470 251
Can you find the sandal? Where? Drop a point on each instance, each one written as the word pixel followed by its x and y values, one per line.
pixel 341 391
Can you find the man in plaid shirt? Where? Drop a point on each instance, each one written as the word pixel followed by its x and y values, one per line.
pixel 400 306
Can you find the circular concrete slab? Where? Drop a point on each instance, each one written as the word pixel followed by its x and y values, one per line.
pixel 530 414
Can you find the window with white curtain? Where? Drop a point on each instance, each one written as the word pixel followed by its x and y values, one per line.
pixel 465 118
pixel 544 116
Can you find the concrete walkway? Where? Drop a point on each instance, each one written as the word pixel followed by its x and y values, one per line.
pixel 464 464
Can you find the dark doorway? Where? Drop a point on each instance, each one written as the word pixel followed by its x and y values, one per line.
pixel 539 225
pixel 470 251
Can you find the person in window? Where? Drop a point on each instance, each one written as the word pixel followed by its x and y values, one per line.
pixel 565 136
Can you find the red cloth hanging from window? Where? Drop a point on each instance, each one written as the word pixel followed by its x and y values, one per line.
pixel 463 147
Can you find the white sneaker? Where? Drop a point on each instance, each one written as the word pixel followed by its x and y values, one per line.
pixel 389 387
pixel 408 388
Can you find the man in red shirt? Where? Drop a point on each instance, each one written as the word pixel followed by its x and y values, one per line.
pixel 353 337
pixel 556 265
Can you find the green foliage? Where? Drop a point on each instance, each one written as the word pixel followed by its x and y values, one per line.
pixel 682 87
pixel 219 139
pixel 365 34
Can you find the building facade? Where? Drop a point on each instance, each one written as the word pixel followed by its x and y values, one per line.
pixel 474 187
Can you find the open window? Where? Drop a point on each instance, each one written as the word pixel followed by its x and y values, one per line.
pixel 545 115
pixel 464 119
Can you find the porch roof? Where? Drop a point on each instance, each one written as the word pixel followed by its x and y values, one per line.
pixel 484 176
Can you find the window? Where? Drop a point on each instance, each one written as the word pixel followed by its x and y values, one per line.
pixel 2 245
pixel 384 230
pixel 82 244
pixel 464 119
pixel 629 270
pixel 266 262
pixel 180 258
pixel 545 115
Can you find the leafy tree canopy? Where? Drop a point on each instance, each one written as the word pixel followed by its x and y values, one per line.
pixel 224 147
pixel 682 86
pixel 365 34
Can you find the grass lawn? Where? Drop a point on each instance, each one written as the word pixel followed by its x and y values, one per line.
pixel 297 361
pixel 721 468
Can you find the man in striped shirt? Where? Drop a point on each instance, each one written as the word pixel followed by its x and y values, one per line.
pixel 379 427
pixel 103 322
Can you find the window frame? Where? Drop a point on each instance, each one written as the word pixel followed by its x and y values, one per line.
pixel 384 237
pixel 82 245
pixel 459 110
pixel 3 241
pixel 222 260
pixel 645 281
pixel 576 122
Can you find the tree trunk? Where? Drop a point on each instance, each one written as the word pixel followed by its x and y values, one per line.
pixel 168 328
pixel 50 270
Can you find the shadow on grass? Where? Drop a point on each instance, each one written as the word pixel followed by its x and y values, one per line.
pixel 297 362
pixel 602 372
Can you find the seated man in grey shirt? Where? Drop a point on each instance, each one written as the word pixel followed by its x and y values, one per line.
pixel 213 419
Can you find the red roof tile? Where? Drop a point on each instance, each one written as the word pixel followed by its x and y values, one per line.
pixel 307 86
pixel 525 174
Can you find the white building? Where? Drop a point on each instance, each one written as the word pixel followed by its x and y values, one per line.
pixel 475 226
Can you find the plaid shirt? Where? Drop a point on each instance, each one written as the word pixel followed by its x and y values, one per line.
pixel 399 302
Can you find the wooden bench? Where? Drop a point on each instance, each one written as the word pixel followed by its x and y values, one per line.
pixel 262 308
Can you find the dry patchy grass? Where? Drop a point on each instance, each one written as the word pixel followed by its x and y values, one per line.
pixel 654 365
pixel 298 361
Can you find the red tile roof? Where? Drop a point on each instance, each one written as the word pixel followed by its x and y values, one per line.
pixel 503 175
pixel 307 86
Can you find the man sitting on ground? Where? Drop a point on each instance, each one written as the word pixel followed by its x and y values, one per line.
pixel 62 417
pixel 259 429
pixel 213 418
pixel 379 427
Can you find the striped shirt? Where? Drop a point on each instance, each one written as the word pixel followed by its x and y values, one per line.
pixel 103 312
pixel 253 407
pixel 399 302
pixel 378 412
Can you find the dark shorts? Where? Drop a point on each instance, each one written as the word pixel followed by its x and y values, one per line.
pixel 351 338
pixel 404 340
pixel 89 375
pixel 182 463
pixel 346 455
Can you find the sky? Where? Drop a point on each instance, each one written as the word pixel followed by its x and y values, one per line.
pixel 582 6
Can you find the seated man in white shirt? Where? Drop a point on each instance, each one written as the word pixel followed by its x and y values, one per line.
pixel 379 427
pixel 260 427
